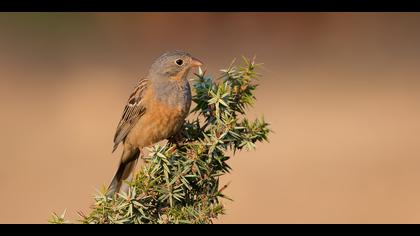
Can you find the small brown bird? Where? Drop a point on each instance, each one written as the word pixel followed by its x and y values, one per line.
pixel 155 110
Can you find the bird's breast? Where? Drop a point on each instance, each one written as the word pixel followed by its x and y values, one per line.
pixel 164 116
pixel 175 94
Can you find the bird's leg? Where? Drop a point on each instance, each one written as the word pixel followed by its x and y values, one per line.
pixel 177 139
pixel 142 156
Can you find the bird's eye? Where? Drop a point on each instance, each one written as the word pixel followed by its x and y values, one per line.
pixel 179 62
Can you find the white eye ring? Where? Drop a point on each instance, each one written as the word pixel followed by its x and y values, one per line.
pixel 179 62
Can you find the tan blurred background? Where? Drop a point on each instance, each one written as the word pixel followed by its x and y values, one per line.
pixel 341 91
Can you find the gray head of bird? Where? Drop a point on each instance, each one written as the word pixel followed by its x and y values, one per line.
pixel 174 64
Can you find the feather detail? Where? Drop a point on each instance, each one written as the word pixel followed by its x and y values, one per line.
pixel 133 110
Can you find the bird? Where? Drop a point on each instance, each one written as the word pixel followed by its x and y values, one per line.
pixel 155 110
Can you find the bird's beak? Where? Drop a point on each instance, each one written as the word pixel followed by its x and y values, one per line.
pixel 195 62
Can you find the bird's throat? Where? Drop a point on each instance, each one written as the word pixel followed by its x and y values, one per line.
pixel 180 77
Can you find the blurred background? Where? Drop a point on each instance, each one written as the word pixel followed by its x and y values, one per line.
pixel 341 91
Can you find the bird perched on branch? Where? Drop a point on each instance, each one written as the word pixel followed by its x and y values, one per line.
pixel 155 110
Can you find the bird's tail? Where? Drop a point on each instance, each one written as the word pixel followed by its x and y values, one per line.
pixel 125 169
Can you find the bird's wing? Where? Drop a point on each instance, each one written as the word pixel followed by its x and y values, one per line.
pixel 133 110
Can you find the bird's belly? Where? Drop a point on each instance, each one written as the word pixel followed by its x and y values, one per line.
pixel 159 122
